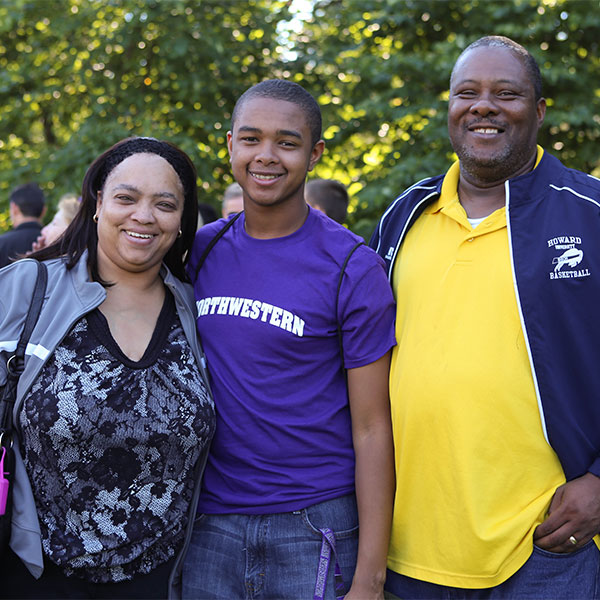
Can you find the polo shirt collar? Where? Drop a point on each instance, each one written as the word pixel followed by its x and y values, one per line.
pixel 448 202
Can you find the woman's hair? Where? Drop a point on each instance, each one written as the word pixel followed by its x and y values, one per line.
pixel 82 234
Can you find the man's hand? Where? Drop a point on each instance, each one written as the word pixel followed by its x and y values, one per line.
pixel 574 513
pixel 39 243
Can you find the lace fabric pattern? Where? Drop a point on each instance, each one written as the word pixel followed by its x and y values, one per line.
pixel 111 450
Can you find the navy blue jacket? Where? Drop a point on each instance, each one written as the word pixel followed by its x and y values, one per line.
pixel 553 225
pixel 18 241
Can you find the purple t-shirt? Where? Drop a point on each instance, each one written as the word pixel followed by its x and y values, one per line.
pixel 267 320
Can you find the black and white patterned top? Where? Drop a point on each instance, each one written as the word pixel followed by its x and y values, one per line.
pixel 111 447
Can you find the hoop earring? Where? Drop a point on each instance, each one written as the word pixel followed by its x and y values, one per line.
pixel 95 218
pixel 180 233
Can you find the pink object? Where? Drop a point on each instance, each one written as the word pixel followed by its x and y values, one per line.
pixel 4 483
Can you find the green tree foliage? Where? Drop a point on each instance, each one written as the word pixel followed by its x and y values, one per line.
pixel 381 71
pixel 78 75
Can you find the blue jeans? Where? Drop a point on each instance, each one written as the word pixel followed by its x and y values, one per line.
pixel 545 575
pixel 270 556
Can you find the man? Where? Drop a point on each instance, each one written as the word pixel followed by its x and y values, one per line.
pixel 495 382
pixel 233 200
pixel 296 318
pixel 329 196
pixel 27 207
pixel 206 214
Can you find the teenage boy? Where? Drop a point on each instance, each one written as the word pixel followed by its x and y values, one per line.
pixel 303 451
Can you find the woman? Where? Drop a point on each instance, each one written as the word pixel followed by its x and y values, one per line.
pixel 113 409
pixel 68 207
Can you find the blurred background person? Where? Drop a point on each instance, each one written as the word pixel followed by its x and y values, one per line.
pixel 27 208
pixel 233 200
pixel 206 214
pixel 329 196
pixel 68 205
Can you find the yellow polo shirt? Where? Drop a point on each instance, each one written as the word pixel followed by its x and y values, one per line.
pixel 475 475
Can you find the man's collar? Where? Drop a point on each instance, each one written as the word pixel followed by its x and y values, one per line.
pixel 28 225
pixel 449 192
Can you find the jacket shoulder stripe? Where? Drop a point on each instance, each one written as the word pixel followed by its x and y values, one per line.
pixel 37 350
pixel 568 189
pixel 415 186
pixel 31 350
pixel 406 226
pixel 8 345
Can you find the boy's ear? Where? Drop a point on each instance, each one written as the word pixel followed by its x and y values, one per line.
pixel 229 138
pixel 316 154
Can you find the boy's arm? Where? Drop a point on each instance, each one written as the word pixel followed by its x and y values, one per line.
pixel 368 391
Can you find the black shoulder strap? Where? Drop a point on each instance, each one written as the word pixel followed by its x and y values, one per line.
pixel 14 365
pixel 224 230
pixel 34 310
pixel 212 242
pixel 337 299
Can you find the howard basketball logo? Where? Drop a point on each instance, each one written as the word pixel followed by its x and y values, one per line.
pixel 569 257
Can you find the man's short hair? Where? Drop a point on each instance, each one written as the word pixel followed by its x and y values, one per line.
pixel 233 200
pixel 30 199
pixel 281 89
pixel 522 54
pixel 233 190
pixel 330 195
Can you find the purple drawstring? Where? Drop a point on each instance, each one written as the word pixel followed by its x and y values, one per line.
pixel 326 547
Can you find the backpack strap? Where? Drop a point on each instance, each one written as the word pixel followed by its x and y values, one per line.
pixel 224 230
pixel 34 310
pixel 15 363
pixel 337 299
pixel 212 242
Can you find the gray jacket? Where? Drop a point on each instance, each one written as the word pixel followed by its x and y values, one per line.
pixel 69 296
